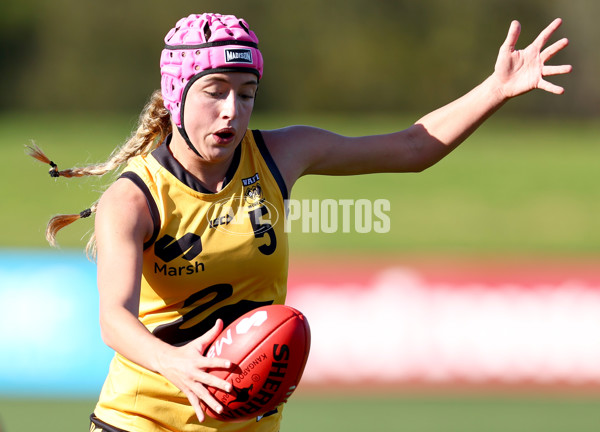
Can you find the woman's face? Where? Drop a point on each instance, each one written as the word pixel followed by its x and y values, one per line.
pixel 217 112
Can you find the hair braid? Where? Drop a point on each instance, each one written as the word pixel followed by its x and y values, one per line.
pixel 153 127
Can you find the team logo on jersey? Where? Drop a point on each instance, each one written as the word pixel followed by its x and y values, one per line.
pixel 253 195
pixel 253 191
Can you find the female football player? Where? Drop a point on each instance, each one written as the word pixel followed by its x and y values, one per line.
pixel 188 237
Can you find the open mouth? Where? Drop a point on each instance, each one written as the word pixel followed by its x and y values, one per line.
pixel 225 135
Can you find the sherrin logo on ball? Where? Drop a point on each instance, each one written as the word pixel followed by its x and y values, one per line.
pixel 268 347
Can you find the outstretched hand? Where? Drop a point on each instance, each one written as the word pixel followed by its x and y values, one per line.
pixel 520 71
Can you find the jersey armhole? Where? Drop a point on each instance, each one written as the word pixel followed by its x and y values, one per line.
pixel 136 179
pixel 264 151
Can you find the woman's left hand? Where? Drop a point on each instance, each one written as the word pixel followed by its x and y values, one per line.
pixel 519 71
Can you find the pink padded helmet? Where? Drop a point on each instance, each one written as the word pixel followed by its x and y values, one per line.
pixel 203 44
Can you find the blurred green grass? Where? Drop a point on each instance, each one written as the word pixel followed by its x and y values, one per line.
pixel 517 186
pixel 360 413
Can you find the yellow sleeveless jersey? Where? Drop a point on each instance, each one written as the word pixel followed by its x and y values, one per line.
pixel 212 255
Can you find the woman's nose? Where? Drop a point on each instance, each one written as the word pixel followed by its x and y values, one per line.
pixel 230 106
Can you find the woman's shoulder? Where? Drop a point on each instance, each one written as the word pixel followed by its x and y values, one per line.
pixel 122 193
pixel 123 197
pixel 295 148
pixel 123 207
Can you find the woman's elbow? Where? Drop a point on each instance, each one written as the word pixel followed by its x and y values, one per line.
pixel 110 328
pixel 106 331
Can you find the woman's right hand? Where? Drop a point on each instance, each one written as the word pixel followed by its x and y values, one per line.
pixel 123 224
pixel 186 367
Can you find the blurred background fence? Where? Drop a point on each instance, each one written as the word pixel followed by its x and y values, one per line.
pixel 337 55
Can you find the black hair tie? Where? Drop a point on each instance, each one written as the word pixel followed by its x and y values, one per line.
pixel 54 170
pixel 85 213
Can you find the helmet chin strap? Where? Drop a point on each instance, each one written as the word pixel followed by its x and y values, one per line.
pixel 186 138
pixel 181 128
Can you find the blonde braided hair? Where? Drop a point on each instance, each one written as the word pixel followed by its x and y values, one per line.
pixel 153 127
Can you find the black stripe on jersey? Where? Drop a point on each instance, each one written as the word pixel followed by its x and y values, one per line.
pixel 98 425
pixel 151 204
pixel 164 157
pixel 264 151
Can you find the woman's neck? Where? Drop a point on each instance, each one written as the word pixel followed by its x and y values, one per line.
pixel 212 174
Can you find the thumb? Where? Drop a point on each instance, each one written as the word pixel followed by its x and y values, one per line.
pixel 513 36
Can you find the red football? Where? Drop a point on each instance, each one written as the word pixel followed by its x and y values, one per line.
pixel 269 347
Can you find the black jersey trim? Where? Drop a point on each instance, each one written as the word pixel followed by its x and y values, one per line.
pixel 264 151
pixel 165 158
pixel 104 427
pixel 136 179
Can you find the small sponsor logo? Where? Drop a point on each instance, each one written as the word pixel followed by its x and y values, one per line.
pixel 238 55
pixel 273 386
pixel 247 214
pixel 241 395
pixel 168 249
